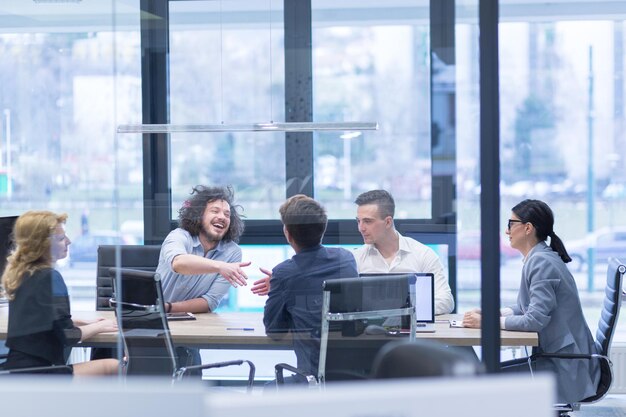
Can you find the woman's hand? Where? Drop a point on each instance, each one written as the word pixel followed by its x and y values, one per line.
pixel 472 319
pixel 82 322
pixel 98 326
pixel 106 326
pixel 262 286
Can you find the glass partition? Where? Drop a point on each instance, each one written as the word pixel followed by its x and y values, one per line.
pixel 66 85
pixel 72 73
pixel 236 76
pixel 373 64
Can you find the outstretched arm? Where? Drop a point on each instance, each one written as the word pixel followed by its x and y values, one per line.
pixel 188 264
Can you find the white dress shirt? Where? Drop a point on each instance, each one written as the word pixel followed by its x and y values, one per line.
pixel 412 256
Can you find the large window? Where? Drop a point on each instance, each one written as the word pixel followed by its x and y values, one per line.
pixel 378 71
pixel 561 89
pixel 236 76
pixel 64 87
pixel 69 79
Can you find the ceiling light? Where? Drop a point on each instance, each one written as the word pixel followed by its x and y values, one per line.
pixel 250 127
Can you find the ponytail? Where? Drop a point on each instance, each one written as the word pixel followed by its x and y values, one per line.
pixel 557 245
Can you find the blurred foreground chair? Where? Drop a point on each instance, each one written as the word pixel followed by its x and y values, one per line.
pixel 613 295
pixel 423 358
pixel 348 306
pixel 140 312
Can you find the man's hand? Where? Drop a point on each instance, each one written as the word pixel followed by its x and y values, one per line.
pixel 262 286
pixel 472 319
pixel 233 273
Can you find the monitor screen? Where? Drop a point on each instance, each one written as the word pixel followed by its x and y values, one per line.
pixel 268 256
pixel 6 239
pixel 424 294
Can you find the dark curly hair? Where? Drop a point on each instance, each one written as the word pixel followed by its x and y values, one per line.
pixel 190 214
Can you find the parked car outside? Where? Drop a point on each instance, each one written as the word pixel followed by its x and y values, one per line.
pixel 84 248
pixel 607 242
pixel 468 247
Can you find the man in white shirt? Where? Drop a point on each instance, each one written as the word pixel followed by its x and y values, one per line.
pixel 385 250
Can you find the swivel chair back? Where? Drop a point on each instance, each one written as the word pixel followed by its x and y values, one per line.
pixel 140 311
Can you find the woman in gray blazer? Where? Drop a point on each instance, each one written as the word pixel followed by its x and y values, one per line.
pixel 548 303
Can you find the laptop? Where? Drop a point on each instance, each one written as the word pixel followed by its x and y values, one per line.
pixel 424 299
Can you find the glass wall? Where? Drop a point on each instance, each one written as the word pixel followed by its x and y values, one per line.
pixel 226 62
pixel 69 74
pixel 561 140
pixel 373 64
pixel 69 79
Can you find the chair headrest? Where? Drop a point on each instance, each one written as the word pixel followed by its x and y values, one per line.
pixel 423 358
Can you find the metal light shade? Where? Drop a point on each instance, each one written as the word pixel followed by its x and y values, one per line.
pixel 253 127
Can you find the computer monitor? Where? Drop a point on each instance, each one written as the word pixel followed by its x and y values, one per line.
pixel 369 292
pixel 6 239
pixel 424 294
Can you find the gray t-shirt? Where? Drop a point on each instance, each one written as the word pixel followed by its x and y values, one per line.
pixel 178 287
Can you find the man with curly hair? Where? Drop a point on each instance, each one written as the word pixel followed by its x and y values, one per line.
pixel 201 259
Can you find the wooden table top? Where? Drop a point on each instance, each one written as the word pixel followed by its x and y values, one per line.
pixel 225 330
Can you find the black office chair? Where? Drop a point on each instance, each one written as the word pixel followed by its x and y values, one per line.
pixel 349 306
pixel 613 295
pixel 51 369
pixel 423 358
pixel 145 330
pixel 139 257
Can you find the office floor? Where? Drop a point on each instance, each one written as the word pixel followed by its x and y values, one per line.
pixel 610 406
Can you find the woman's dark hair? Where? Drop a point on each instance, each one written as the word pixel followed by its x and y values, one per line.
pixel 541 217
pixel 190 214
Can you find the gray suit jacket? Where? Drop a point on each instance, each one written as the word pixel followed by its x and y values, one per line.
pixel 548 304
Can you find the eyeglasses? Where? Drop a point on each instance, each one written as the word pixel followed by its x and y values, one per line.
pixel 508 225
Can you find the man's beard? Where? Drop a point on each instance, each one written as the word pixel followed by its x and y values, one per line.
pixel 211 236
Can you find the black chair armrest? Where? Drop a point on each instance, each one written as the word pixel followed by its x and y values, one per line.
pixel 515 362
pixel 572 356
pixel 180 373
pixel 31 369
pixel 535 356
pixel 280 379
pixel 132 306
pixel 36 369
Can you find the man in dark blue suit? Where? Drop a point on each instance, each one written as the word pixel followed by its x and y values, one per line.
pixel 294 302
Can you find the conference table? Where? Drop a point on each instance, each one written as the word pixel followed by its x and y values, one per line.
pixel 237 330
